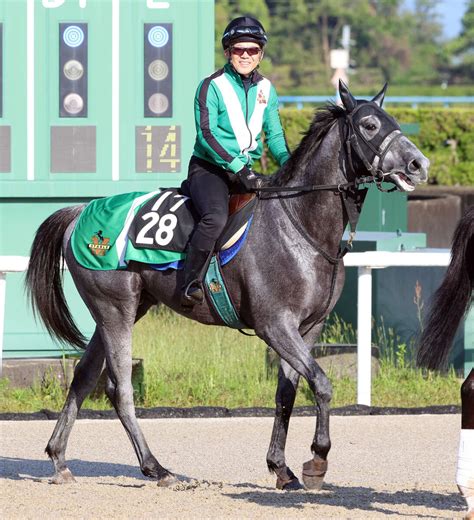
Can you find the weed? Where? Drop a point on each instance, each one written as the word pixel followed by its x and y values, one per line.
pixel 189 364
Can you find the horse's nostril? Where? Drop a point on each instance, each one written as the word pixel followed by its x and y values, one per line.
pixel 414 166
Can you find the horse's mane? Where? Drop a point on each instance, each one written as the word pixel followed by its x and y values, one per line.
pixel 323 120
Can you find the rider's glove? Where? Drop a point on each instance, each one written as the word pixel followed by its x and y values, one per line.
pixel 249 179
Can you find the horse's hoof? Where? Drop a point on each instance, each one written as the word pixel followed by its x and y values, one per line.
pixel 168 480
pixel 313 474
pixel 63 477
pixel 288 485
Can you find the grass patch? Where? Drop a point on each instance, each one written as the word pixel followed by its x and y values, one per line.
pixel 187 364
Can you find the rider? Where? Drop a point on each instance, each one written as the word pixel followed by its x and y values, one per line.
pixel 231 107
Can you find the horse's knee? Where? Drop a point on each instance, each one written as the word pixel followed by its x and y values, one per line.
pixel 324 390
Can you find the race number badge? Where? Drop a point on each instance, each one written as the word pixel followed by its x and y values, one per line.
pixel 166 222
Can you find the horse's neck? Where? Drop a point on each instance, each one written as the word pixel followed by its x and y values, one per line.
pixel 320 213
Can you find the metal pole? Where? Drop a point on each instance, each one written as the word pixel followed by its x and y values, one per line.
pixel 364 335
pixel 3 286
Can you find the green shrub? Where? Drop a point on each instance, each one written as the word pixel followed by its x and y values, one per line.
pixel 446 138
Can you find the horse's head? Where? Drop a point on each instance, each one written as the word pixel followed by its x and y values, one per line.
pixel 379 143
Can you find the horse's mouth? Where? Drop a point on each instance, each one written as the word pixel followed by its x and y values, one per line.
pixel 402 181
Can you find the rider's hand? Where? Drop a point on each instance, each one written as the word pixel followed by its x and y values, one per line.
pixel 249 179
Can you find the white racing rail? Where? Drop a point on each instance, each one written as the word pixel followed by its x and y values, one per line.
pixel 364 261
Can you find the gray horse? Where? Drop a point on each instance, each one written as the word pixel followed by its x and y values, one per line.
pixel 284 282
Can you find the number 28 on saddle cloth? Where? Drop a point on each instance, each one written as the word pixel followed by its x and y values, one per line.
pixel 152 228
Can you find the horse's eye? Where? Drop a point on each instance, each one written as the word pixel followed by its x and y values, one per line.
pixel 370 127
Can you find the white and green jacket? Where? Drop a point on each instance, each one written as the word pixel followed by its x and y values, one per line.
pixel 229 120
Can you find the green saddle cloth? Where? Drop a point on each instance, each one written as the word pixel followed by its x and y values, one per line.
pixel 100 238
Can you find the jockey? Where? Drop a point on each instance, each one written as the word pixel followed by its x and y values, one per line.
pixel 231 106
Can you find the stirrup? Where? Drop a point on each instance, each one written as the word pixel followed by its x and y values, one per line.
pixel 196 297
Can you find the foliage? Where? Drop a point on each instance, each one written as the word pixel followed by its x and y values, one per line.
pixel 389 42
pixel 446 138
pixel 462 48
pixel 188 364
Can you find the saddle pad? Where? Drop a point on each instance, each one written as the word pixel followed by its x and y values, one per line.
pixel 151 228
pixel 100 238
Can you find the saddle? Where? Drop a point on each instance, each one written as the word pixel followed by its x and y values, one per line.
pixel 241 208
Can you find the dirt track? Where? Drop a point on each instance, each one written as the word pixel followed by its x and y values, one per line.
pixel 390 465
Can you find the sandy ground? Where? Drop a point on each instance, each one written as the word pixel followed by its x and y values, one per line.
pixel 397 466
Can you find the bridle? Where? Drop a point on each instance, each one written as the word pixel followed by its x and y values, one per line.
pixel 375 165
pixel 350 136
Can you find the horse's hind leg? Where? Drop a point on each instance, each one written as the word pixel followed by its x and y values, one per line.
pixel 116 333
pixel 86 375
pixel 284 400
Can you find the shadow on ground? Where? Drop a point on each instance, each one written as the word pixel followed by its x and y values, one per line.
pixel 17 469
pixel 356 498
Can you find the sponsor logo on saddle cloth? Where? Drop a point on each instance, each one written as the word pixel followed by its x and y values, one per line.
pixel 100 244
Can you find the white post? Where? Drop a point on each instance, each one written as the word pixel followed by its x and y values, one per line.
pixel 3 286
pixel 364 335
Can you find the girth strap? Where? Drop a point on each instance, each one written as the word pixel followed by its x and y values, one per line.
pixel 219 296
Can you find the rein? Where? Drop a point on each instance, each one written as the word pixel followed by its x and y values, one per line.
pixel 318 187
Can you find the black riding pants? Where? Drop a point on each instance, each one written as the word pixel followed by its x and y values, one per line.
pixel 208 186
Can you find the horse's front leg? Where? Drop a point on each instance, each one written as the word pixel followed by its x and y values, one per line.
pixel 292 349
pixel 285 396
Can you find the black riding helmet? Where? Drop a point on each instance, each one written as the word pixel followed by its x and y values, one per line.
pixel 244 29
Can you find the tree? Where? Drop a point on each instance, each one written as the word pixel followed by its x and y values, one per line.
pixel 462 48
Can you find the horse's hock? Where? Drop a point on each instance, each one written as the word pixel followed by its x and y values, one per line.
pixel 337 360
pixel 436 211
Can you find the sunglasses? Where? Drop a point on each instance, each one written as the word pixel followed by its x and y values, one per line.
pixel 240 51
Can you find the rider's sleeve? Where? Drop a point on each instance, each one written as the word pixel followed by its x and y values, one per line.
pixel 274 135
pixel 206 110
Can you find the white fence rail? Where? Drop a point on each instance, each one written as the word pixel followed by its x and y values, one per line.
pixel 364 261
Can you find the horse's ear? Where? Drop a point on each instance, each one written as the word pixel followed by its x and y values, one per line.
pixel 378 99
pixel 348 100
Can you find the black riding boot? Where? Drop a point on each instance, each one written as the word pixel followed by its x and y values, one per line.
pixel 195 266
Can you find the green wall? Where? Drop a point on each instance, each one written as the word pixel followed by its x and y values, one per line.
pixel 112 141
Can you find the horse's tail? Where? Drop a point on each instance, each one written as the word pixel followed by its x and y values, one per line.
pixel 44 278
pixel 452 299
